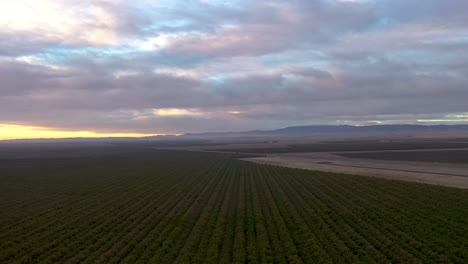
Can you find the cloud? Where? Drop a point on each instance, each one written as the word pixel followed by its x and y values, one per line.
pixel 192 66
pixel 70 21
pixel 275 26
pixel 175 112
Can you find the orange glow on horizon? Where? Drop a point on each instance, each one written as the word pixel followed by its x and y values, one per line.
pixel 8 131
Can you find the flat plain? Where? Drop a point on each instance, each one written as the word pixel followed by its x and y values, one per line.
pixel 439 156
pixel 441 161
pixel 439 173
pixel 130 205
pixel 353 145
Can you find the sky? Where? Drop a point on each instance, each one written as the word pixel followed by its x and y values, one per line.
pixel 84 68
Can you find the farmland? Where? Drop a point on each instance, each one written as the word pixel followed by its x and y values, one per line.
pixel 336 146
pixel 136 205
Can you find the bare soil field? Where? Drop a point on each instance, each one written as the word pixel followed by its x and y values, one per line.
pixel 453 175
pixel 446 156
pixel 306 153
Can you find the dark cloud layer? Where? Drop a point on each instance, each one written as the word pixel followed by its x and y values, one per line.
pixel 191 66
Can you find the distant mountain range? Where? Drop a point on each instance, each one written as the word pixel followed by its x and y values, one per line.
pixel 288 131
pixel 311 130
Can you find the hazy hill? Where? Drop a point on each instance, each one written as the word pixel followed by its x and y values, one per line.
pixel 342 129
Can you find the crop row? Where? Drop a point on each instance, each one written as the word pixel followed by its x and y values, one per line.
pixel 182 207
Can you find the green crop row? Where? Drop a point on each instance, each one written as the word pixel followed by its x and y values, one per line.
pixel 160 206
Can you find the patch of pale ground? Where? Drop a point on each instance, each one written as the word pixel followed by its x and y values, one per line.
pixel 452 175
pixel 446 174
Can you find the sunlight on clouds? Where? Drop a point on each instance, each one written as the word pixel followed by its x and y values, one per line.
pixel 155 43
pixel 100 36
pixel 140 118
pixel 102 16
pixel 441 120
pixel 29 60
pixel 33 60
pixel 121 74
pixel 18 132
pixel 20 15
pixel 455 117
pixel 177 72
pixel 175 112
pixel 460 115
pixel 69 21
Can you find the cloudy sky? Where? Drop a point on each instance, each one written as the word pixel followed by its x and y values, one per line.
pixel 116 67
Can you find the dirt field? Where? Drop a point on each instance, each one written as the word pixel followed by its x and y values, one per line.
pixel 447 174
pixel 447 156
pixel 453 175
